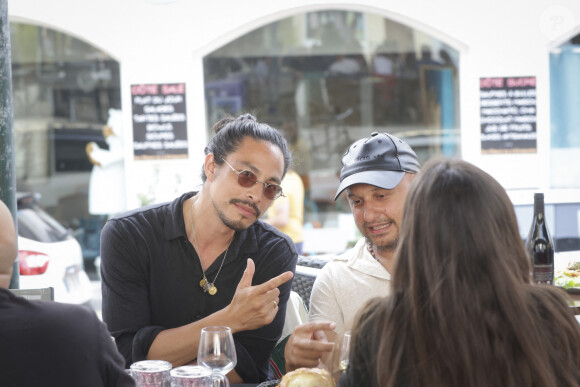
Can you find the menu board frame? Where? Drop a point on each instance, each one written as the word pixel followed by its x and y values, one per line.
pixel 159 121
pixel 508 114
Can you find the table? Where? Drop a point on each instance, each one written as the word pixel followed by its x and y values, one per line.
pixel 575 307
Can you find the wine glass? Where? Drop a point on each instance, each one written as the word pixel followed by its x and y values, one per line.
pixel 344 352
pixel 217 351
pixel 338 360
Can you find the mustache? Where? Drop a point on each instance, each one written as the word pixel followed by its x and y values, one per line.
pixel 247 203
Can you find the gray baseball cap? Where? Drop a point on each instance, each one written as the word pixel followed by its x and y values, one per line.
pixel 380 160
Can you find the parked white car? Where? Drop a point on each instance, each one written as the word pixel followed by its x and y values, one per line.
pixel 49 256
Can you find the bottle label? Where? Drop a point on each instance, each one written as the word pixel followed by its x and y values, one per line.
pixel 544 274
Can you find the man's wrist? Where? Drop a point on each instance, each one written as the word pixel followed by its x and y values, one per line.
pixel 226 318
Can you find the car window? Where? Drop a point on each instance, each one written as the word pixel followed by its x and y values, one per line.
pixel 34 223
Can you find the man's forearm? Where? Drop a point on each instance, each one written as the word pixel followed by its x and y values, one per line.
pixel 234 378
pixel 179 345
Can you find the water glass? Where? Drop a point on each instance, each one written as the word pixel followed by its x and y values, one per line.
pixel 151 373
pixel 191 376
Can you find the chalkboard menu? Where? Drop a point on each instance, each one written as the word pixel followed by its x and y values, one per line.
pixel 159 121
pixel 508 114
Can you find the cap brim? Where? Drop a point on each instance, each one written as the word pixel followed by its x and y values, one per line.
pixel 381 179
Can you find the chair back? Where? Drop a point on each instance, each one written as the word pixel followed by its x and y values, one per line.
pixel 307 269
pixel 42 294
pixel 303 282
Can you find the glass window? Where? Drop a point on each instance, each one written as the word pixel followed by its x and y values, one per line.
pixel 565 115
pixel 63 89
pixel 328 78
pixel 563 221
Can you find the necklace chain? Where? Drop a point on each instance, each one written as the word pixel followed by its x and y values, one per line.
pixel 371 249
pixel 208 287
pixel 385 263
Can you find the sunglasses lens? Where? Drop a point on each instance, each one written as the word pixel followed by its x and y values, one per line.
pixel 247 179
pixel 272 191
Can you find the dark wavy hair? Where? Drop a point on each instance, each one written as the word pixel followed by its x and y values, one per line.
pixel 463 311
pixel 230 132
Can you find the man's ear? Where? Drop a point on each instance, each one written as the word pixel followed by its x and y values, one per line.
pixel 209 166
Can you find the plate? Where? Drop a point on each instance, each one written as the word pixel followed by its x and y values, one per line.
pixel 561 280
pixel 570 290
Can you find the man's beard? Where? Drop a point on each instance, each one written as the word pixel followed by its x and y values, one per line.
pixel 384 247
pixel 233 224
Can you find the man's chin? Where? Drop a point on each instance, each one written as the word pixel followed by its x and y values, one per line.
pixel 238 225
pixel 383 243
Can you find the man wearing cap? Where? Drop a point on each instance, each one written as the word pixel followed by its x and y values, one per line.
pixel 375 177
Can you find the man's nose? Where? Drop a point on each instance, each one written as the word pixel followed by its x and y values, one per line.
pixel 370 213
pixel 256 192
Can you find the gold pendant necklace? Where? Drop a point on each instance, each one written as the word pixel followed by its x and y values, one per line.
pixel 208 287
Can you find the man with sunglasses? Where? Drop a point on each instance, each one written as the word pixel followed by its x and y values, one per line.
pixel 168 270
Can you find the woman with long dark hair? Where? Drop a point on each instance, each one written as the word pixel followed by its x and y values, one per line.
pixel 463 311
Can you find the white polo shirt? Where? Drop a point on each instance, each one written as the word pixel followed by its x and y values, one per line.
pixel 345 284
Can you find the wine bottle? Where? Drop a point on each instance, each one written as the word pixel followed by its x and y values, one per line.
pixel 540 245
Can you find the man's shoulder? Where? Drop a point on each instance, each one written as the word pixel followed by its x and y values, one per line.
pixel 78 311
pixel 348 255
pixel 56 315
pixel 336 265
pixel 161 217
pixel 152 210
pixel 270 234
pixel 339 263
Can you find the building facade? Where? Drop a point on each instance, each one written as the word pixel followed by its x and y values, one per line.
pixel 495 83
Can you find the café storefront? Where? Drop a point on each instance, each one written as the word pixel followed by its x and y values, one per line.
pixel 497 89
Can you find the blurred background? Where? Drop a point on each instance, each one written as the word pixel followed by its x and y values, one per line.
pixel 489 83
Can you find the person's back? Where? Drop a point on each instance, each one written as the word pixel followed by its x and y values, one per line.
pixel 49 343
pixel 463 311
pixel 462 362
pixel 54 344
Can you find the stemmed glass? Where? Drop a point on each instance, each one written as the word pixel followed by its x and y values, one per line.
pixel 338 360
pixel 217 351
pixel 344 352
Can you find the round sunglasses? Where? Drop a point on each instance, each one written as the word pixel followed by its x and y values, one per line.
pixel 248 178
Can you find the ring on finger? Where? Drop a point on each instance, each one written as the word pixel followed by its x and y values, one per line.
pixel 275 303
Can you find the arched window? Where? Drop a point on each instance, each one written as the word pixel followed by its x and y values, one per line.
pixel 328 78
pixel 63 89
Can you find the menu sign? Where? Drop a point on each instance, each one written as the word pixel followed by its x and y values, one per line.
pixel 159 121
pixel 508 114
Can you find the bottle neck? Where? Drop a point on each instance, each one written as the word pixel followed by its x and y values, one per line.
pixel 539 205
